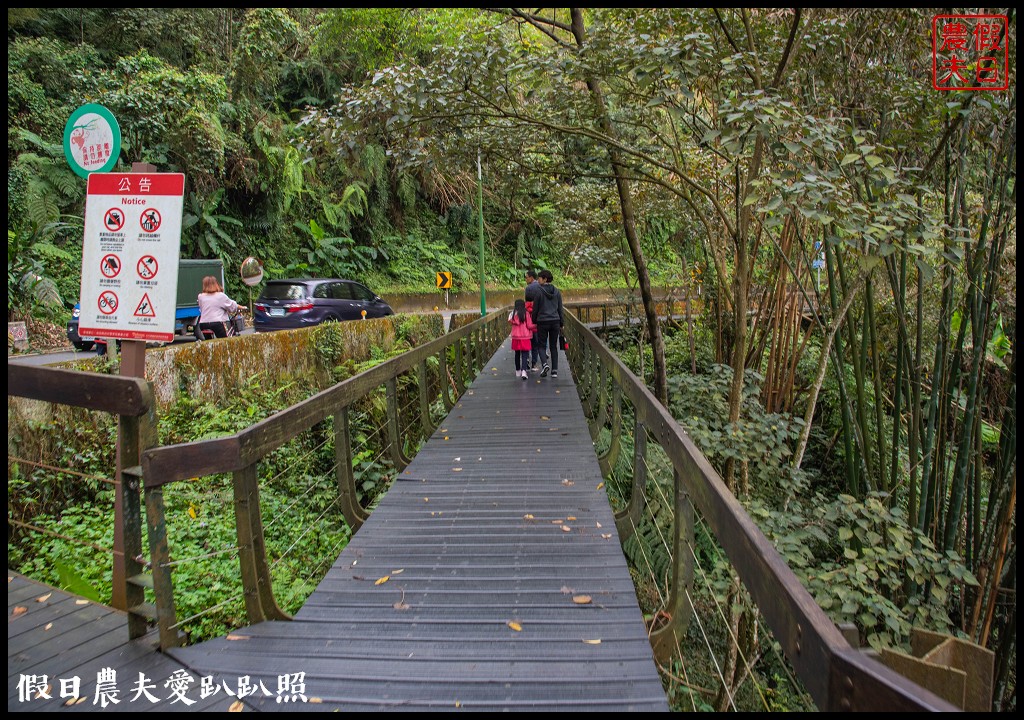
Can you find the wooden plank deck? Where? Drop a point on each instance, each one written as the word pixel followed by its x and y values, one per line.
pixel 497 521
pixel 61 636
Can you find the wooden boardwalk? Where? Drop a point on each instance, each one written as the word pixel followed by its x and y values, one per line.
pixel 488 578
pixel 54 636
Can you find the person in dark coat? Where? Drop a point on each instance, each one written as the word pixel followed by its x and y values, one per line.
pixel 550 319
pixel 532 296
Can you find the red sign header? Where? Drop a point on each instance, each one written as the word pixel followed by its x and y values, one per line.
pixel 137 184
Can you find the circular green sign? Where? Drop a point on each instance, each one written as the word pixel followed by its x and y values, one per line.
pixel 92 140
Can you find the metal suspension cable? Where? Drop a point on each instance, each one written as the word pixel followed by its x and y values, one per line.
pixel 664 498
pixel 650 567
pixel 206 556
pixel 711 652
pixel 725 620
pixel 45 531
pixel 201 613
pixel 293 503
pixel 304 533
pixel 300 458
pixel 333 554
pixel 64 471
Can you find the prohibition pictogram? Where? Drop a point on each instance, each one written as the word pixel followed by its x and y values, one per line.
pixel 145 308
pixel 110 266
pixel 150 220
pixel 147 267
pixel 113 219
pixel 107 303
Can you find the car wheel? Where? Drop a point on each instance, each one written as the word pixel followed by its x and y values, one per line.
pixel 84 346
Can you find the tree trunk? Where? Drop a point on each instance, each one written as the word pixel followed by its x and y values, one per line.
pixel 628 224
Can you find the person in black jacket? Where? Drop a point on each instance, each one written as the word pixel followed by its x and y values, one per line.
pixel 550 319
pixel 532 298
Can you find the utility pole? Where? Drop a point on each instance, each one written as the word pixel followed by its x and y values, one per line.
pixel 480 212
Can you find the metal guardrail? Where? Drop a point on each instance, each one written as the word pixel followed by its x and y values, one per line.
pixel 836 675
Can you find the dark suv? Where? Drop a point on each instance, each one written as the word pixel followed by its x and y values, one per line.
pixel 303 302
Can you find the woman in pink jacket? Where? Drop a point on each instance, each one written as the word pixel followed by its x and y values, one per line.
pixel 523 329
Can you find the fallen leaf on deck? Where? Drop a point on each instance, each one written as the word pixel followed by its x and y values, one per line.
pixel 79 701
pixel 514 625
pixel 570 517
pixel 81 602
pixel 600 485
pixel 19 610
pixel 567 590
pixel 456 469
pixel 400 606
pixel 44 598
pixel 398 572
pixel 527 517
pixel 566 528
pixel 48 626
pixel 581 599
pixel 599 525
pixel 557 522
pixel 544 417
pixel 381 581
pixel 236 637
pixel 318 701
pixel 592 642
pixel 606 536
pixel 458 459
pixel 568 483
pixel 236 706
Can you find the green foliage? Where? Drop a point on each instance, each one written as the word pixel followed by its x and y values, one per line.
pixel 763 441
pixel 204 231
pixel 856 558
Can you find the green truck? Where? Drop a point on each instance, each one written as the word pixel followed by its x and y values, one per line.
pixel 186 315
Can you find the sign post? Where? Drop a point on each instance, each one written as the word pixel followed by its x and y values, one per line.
pixel 129 292
pixel 480 211
pixel 444 282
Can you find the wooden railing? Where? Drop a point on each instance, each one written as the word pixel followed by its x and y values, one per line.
pixel 461 354
pixel 131 399
pixel 836 675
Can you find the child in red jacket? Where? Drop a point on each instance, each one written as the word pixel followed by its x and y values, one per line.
pixel 523 329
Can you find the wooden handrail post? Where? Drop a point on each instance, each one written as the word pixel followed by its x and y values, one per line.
pixel 351 510
pixel 394 435
pixel 257 587
pixel 668 639
pixel 608 459
pixel 627 520
pixel 423 379
pixel 163 585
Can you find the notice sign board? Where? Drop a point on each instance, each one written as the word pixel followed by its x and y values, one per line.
pixel 130 255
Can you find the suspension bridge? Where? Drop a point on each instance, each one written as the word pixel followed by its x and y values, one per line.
pixel 489 577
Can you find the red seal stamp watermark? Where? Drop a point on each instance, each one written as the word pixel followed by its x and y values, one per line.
pixel 970 52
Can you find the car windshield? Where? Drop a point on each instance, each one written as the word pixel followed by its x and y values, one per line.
pixel 284 291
